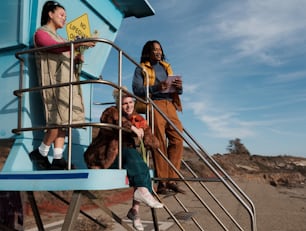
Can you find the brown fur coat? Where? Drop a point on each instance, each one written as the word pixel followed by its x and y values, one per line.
pixel 103 150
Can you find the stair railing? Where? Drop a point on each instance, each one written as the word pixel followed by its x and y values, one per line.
pixel 215 168
pixel 189 140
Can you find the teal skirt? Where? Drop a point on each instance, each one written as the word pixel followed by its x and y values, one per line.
pixel 137 170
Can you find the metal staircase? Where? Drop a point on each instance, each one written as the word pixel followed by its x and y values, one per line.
pixel 212 194
pixel 217 203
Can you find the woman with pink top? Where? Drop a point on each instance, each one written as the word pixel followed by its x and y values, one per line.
pixel 54 68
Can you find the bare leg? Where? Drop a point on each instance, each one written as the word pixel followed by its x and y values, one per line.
pixel 50 136
pixel 55 136
pixel 136 206
pixel 60 139
pixel 133 215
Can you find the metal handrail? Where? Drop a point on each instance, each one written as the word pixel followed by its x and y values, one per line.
pixel 189 140
pixel 194 147
pixel 251 209
pixel 19 92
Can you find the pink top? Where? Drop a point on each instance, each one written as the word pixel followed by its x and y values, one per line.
pixel 42 39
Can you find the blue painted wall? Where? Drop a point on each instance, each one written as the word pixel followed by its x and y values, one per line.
pixel 19 19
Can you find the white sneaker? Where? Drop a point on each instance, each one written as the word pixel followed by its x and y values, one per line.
pixel 147 198
pixel 136 220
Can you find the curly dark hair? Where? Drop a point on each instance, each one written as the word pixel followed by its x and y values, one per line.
pixel 148 49
pixel 48 6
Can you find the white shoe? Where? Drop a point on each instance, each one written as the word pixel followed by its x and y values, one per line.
pixel 137 225
pixel 136 220
pixel 147 198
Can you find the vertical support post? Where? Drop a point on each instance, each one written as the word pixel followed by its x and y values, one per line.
pixel 35 210
pixel 20 94
pixel 119 107
pixel 155 221
pixel 73 211
pixel 70 104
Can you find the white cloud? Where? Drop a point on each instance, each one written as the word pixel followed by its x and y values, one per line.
pixel 220 124
pixel 257 27
pixel 191 88
pixel 289 77
pixel 227 126
pixel 196 107
pixel 241 62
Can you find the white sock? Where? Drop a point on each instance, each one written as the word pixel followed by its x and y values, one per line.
pixel 58 153
pixel 43 149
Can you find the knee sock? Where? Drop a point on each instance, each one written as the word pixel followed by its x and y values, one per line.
pixel 43 149
pixel 58 153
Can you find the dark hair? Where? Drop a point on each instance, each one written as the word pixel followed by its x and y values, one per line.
pixel 148 49
pixel 48 6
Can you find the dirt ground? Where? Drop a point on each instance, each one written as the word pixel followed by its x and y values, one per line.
pixel 279 207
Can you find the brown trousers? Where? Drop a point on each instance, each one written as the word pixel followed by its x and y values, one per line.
pixel 171 144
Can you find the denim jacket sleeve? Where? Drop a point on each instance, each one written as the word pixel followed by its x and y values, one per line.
pixel 138 86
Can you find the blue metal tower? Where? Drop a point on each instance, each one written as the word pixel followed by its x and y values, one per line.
pixel 19 20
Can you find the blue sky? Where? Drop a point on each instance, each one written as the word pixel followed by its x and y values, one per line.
pixel 243 65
